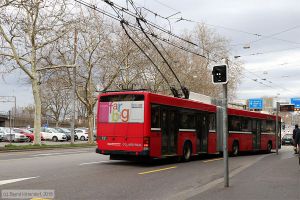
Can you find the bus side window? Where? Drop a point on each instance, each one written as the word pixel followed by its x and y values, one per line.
pixel 187 120
pixel 212 121
pixel 270 126
pixel 263 126
pixel 155 116
pixel 234 123
pixel 246 124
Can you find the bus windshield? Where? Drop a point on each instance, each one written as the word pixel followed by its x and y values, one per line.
pixel 126 108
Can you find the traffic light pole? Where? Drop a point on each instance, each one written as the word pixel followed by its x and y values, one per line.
pixel 225 137
pixel 220 76
pixel 225 134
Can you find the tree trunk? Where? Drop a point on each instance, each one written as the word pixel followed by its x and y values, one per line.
pixel 90 126
pixel 37 111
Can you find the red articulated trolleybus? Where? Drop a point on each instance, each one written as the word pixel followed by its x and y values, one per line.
pixel 140 124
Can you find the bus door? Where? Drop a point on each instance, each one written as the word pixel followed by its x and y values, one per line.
pixel 169 130
pixel 202 129
pixel 256 131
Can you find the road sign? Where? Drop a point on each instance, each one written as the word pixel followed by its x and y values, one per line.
pixel 296 102
pixel 256 103
pixel 287 108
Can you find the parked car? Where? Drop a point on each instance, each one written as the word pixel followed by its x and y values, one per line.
pixel 65 131
pixel 10 135
pixel 28 134
pixel 31 130
pixel 287 139
pixel 1 135
pixel 53 134
pixel 82 134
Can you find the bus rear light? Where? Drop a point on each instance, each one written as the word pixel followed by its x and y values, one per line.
pixel 146 143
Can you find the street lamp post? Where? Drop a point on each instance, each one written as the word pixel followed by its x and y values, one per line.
pixel 277 126
pixel 73 106
pixel 10 136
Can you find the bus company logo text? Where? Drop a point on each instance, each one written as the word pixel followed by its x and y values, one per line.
pixel 117 112
pixel 124 144
pixel 136 105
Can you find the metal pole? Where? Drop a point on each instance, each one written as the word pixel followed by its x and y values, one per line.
pixel 73 106
pixel 74 88
pixel 277 128
pixel 225 135
pixel 10 137
pixel 15 113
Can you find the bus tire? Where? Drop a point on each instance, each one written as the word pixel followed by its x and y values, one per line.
pixel 269 147
pixel 187 151
pixel 235 148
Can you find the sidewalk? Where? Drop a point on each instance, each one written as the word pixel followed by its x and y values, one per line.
pixel 275 177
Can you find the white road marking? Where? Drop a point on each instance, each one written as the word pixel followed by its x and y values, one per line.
pixel 59 153
pixel 90 163
pixel 46 154
pixel 15 180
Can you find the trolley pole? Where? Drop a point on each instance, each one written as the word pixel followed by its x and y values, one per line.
pixel 225 135
pixel 277 126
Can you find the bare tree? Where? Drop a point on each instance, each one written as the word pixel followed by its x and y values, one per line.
pixel 26 28
pixel 56 98
pixel 85 47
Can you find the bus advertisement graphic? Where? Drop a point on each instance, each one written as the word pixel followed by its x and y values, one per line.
pixel 122 112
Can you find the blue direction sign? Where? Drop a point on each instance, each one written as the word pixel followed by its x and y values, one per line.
pixel 296 102
pixel 256 103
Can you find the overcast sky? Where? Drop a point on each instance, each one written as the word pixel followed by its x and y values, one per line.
pixel 273 70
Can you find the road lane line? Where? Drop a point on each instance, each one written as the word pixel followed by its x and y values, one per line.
pixel 46 154
pixel 58 153
pixel 206 161
pixel 91 163
pixel 16 180
pixel 157 170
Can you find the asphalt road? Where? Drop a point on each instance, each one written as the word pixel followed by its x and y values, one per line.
pixel 83 174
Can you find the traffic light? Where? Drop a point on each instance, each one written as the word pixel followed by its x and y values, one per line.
pixel 219 74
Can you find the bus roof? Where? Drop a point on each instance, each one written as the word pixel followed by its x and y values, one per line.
pixel 190 104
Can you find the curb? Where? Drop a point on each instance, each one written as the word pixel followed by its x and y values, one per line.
pixel 46 148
